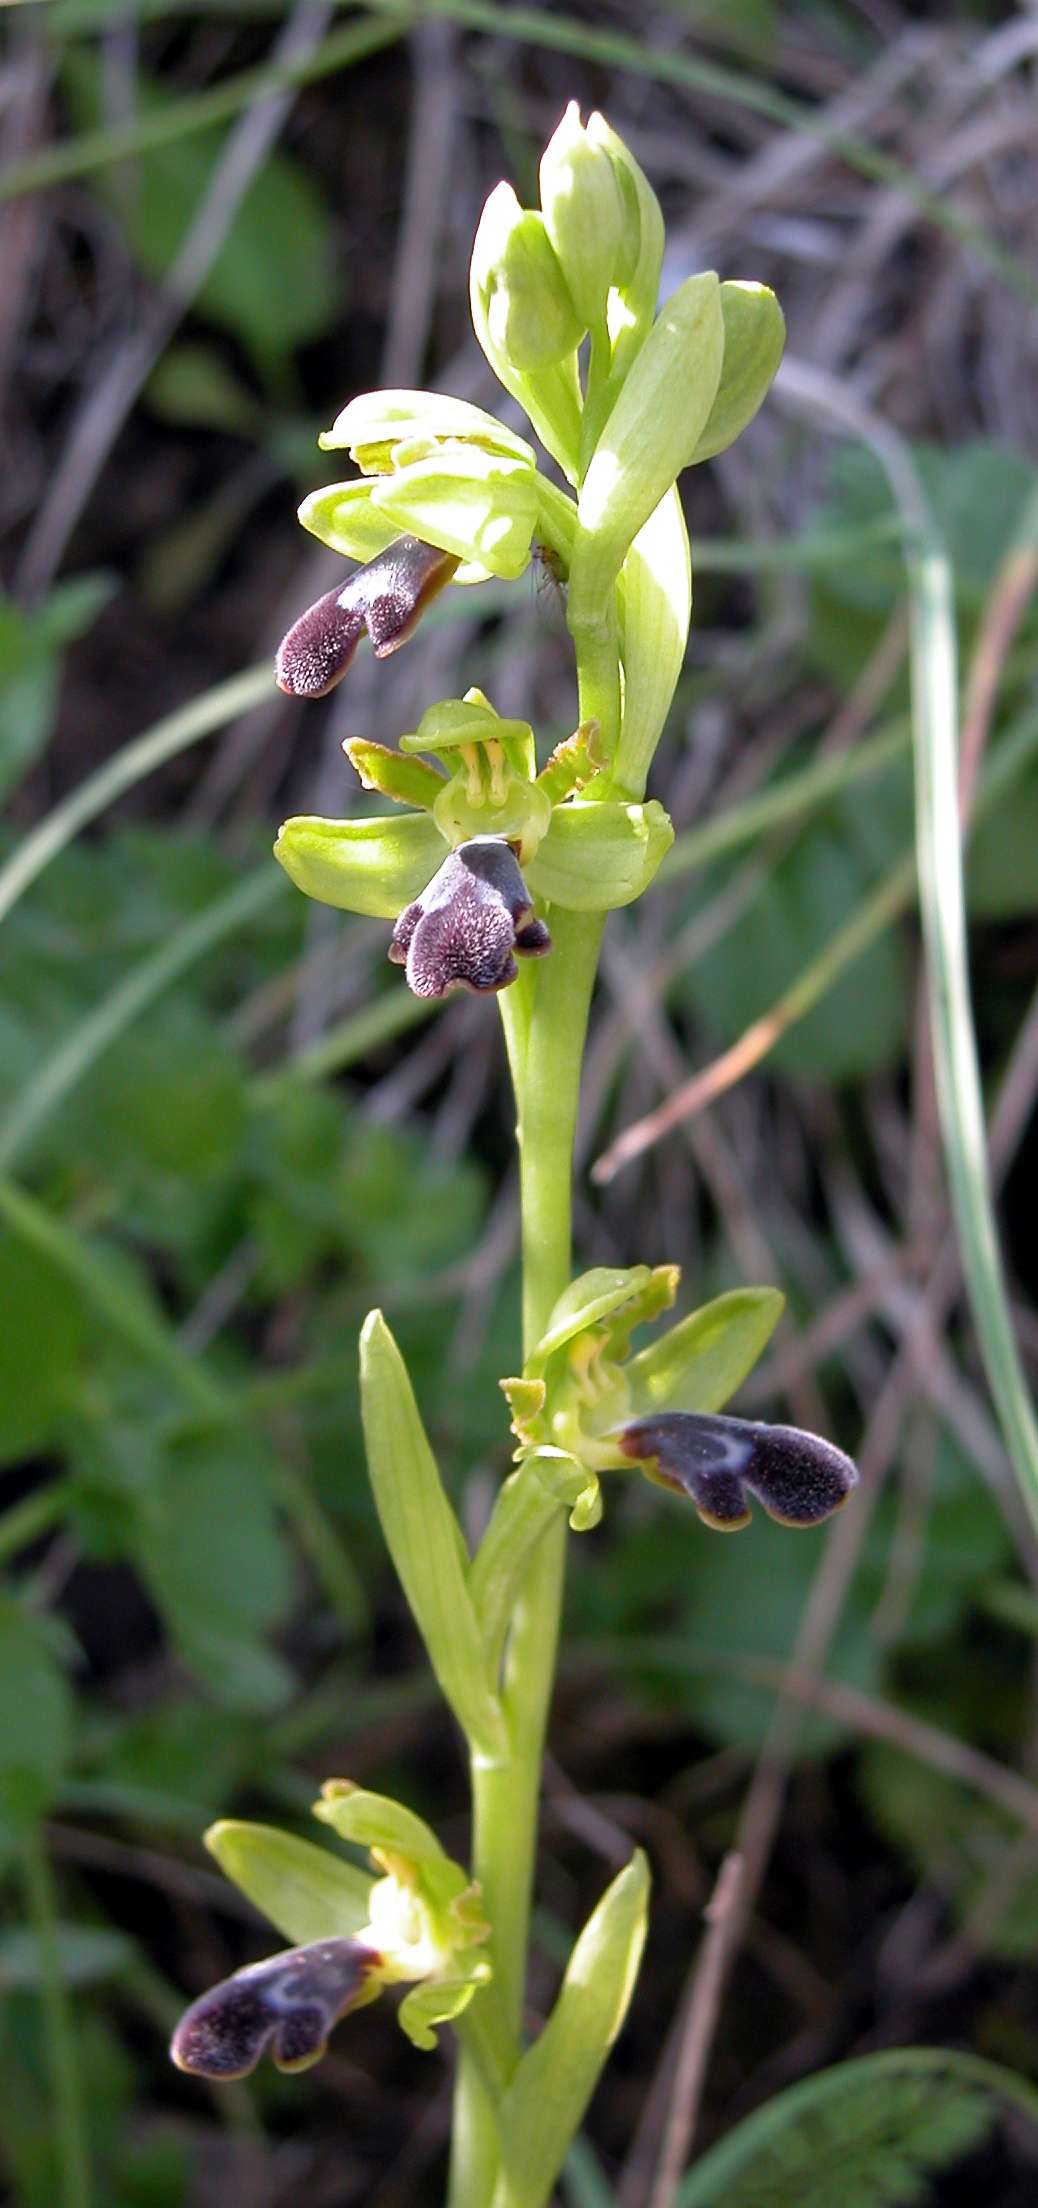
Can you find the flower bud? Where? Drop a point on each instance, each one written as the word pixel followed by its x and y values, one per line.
pixel 531 319
pixel 590 219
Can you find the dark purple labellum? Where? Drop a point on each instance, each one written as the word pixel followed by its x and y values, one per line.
pixel 798 1478
pixel 387 597
pixel 466 927
pixel 289 2000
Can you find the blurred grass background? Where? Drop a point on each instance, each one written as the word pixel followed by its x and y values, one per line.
pixel 226 1130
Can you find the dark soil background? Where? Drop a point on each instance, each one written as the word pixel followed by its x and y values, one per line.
pixel 208 1180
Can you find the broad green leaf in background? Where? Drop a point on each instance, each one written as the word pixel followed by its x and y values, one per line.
pixel 41 1343
pixel 31 647
pixel 35 1716
pixel 218 1569
pixel 868 2134
pixel 274 283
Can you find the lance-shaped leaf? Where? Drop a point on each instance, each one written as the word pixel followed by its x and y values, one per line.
pixel 546 2100
pixel 475 504
pixel 754 336
pixel 598 856
pixel 308 1893
pixel 376 423
pixel 423 1537
pixel 656 608
pixel 375 867
pixel 650 435
pixel 701 1361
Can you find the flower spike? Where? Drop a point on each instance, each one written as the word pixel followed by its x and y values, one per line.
pixel 289 2001
pixel 467 925
pixel 387 598
pixel 798 1478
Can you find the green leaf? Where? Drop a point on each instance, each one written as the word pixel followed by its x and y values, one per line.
pixel 423 1536
pixel 545 2102
pixel 868 2133
pixel 35 1716
pixel 218 1569
pixel 702 1360
pixel 754 337
pixel 596 857
pixel 655 593
pixel 88 1953
pixel 307 1893
pixel 41 1349
pixel 31 647
pixel 650 436
pixel 194 387
pixel 375 867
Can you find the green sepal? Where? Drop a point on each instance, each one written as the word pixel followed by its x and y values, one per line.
pixel 439 2001
pixel 375 423
pixel 596 857
pixel 376 1821
pixel 423 1537
pixel 467 720
pixel 754 337
pixel 406 781
pixel 655 596
pixel 651 434
pixel 702 1360
pixel 573 763
pixel 570 1483
pixel 545 2102
pixel 307 1893
pixel 345 517
pixel 375 867
pixel 476 504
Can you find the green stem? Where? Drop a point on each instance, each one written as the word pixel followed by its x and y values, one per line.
pixel 69 2112
pixel 505 1796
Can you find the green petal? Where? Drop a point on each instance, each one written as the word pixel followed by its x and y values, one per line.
pixel 701 1361
pixel 376 421
pixel 596 857
pixel 754 336
pixel 406 781
pixel 308 1893
pixel 375 867
pixel 376 1821
pixel 474 504
pixel 439 2001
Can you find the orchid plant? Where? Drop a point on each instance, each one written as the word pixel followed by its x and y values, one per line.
pixel 497 872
